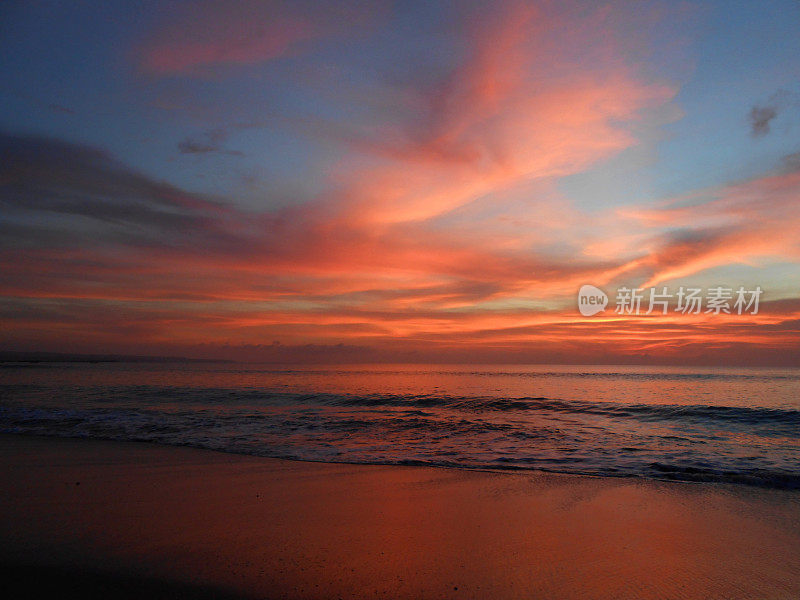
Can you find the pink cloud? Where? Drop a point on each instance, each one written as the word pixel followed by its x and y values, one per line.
pixel 381 258
pixel 742 223
pixel 214 33
pixel 513 112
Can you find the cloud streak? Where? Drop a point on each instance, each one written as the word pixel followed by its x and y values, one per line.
pixel 209 142
pixel 439 228
pixel 211 35
pixel 743 223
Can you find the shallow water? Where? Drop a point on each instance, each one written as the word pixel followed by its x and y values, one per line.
pixel 736 425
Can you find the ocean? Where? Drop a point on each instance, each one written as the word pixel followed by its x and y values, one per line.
pixel 689 424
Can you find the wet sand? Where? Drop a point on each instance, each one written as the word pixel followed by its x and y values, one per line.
pixel 130 520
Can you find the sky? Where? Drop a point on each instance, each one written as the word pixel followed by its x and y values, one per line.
pixel 401 181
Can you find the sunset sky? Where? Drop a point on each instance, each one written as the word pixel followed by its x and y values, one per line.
pixel 406 181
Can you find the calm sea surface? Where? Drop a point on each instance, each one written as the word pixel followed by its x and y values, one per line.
pixel 734 425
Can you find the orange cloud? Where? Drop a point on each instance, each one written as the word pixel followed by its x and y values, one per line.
pixel 440 240
pixel 512 113
pixel 742 223
pixel 216 34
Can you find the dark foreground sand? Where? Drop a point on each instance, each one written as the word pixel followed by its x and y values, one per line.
pixel 106 519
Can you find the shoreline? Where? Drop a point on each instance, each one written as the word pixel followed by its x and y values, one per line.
pixel 700 478
pixel 221 523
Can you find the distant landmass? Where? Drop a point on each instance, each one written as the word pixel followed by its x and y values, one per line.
pixel 37 357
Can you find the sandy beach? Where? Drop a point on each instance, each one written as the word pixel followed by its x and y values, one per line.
pixel 139 520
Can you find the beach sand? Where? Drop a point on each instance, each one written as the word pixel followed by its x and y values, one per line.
pixel 137 520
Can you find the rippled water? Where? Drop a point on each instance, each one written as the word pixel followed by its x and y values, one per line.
pixel 738 425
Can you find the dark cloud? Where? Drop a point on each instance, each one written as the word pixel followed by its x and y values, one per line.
pixel 67 191
pixel 791 162
pixel 761 116
pixel 681 246
pixel 208 142
pixel 60 109
pixel 42 104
